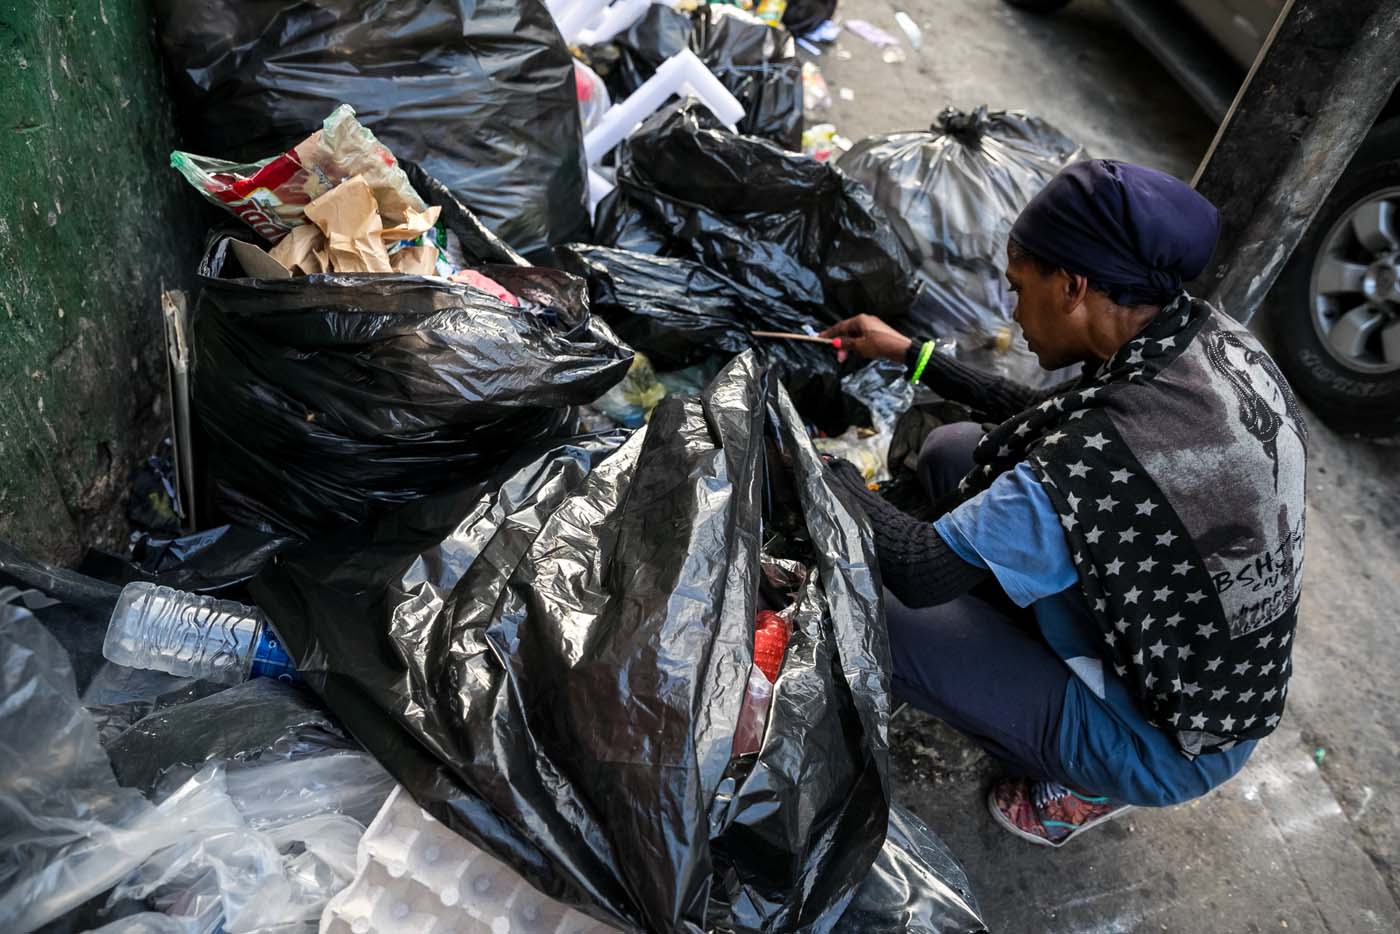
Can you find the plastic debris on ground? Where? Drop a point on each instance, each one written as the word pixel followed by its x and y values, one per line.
pixel 483 96
pixel 871 33
pixel 755 62
pixel 555 671
pixel 952 193
pixel 815 94
pixel 822 142
pixel 325 399
pixel 256 803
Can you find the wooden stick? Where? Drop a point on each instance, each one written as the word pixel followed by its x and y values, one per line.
pixel 791 336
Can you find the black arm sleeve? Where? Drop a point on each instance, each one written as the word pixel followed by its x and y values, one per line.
pixel 997 397
pixel 916 564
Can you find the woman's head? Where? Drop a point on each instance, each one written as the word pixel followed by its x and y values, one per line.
pixel 1098 250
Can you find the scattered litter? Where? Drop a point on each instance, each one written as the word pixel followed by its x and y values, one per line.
pixel 843 54
pixel 822 141
pixel 826 31
pixel 871 33
pixel 911 29
pixel 1319 754
pixel 847 94
pixel 894 55
pixel 815 94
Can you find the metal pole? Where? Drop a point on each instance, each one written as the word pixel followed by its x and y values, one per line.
pixel 1312 95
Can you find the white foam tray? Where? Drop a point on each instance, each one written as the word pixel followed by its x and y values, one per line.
pixel 414 876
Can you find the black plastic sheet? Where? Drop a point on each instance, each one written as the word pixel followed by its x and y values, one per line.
pixel 554 667
pixel 951 194
pixel 326 399
pixel 792 229
pixel 482 94
pixel 755 62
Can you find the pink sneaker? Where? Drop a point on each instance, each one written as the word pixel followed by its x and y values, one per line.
pixel 1048 813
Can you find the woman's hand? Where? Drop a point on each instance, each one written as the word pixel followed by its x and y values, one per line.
pixel 870 337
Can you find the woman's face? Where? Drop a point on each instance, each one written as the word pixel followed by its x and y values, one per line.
pixel 1040 311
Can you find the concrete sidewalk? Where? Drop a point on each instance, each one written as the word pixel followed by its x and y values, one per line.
pixel 1289 844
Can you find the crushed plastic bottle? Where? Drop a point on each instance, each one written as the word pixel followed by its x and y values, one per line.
pixel 193 636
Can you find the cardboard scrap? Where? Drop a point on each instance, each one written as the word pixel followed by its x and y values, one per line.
pixel 348 215
pixel 257 262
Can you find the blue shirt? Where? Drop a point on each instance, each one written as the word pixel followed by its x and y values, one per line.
pixel 1105 741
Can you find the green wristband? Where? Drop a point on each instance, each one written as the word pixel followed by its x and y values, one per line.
pixel 925 353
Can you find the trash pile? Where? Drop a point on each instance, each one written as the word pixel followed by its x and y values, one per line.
pixel 711 235
pixel 511 595
pixel 951 194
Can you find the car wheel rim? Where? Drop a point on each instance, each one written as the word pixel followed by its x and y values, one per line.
pixel 1355 292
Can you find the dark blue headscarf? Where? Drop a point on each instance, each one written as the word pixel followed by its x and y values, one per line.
pixel 1135 232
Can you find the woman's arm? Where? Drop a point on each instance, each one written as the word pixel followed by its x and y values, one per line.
pixel 998 398
pixel 915 562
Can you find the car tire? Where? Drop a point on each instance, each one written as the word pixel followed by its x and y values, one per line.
pixel 1039 6
pixel 1351 377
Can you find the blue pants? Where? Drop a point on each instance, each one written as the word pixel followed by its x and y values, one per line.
pixel 978 662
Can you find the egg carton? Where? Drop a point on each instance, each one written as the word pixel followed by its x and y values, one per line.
pixel 415 876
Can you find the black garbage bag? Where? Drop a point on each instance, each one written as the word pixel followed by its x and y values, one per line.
pixel 325 399
pixel 482 94
pixel 785 226
pixel 256 720
pixel 755 62
pixel 952 193
pixel 678 313
pixel 555 669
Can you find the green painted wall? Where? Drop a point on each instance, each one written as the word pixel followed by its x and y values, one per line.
pixel 91 223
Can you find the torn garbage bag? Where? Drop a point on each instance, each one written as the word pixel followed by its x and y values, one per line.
pixel 555 669
pixel 325 399
pixel 792 229
pixel 952 193
pixel 481 94
pixel 755 62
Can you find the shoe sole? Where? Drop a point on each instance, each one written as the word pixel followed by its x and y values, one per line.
pixel 1005 822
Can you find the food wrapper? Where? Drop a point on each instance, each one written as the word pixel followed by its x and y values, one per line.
pixel 271 196
pixel 349 217
pixel 486 284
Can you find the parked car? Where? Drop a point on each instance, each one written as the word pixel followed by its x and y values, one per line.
pixel 1335 311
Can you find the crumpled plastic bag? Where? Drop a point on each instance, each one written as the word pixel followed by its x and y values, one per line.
pixel 755 62
pixel 792 229
pixel 951 194
pixel 482 94
pixel 326 399
pixel 554 668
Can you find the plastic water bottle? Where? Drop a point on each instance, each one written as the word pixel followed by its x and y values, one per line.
pixel 193 636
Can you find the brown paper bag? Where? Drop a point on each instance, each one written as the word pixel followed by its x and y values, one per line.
pixel 414 225
pixel 415 260
pixel 349 217
pixel 297 250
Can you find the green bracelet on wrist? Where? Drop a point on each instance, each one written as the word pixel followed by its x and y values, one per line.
pixel 925 352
